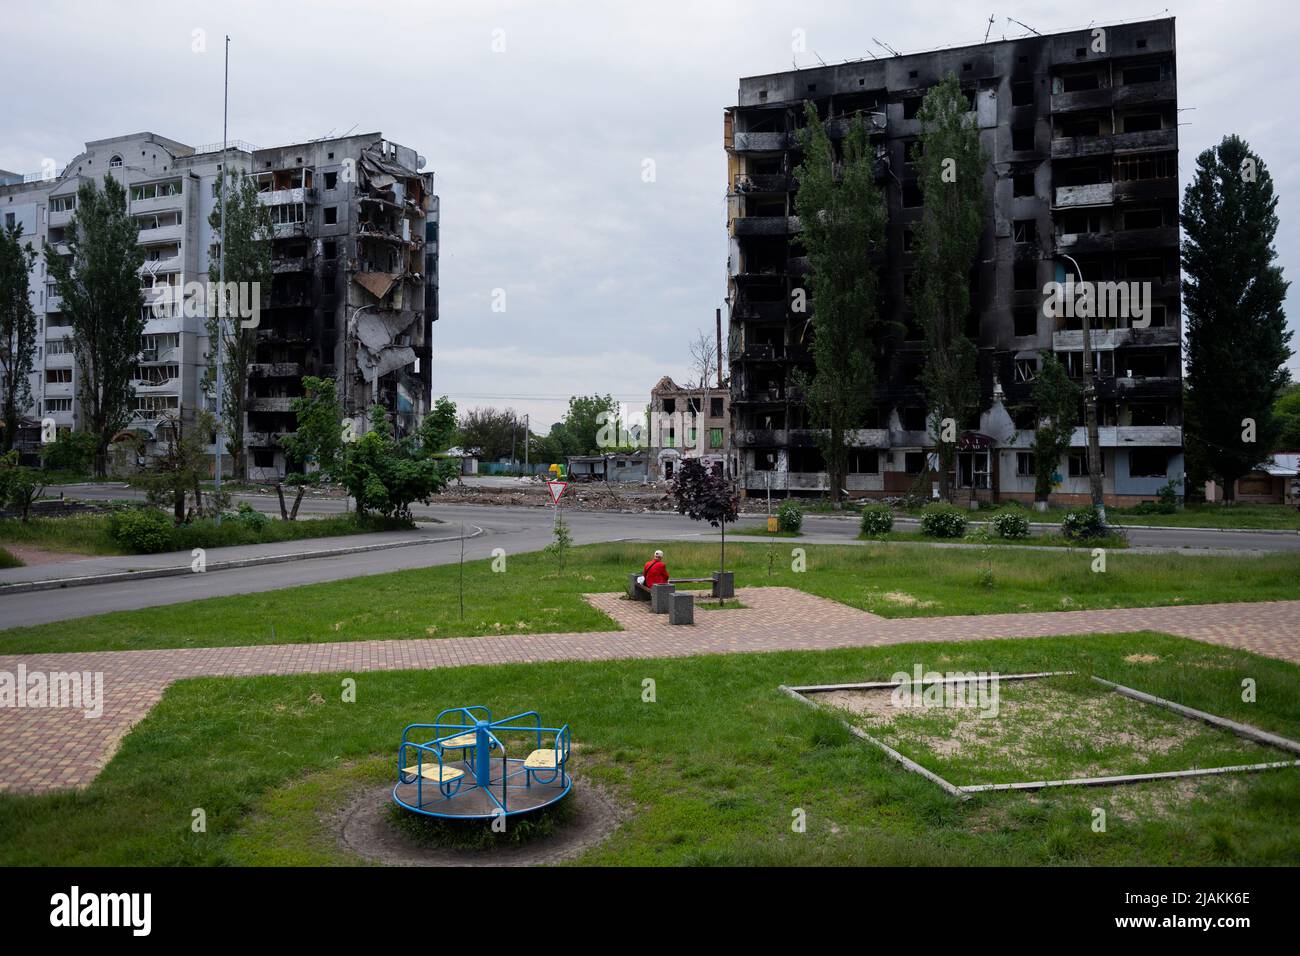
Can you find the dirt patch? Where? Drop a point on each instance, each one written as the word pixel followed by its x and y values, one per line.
pixel 1141 659
pixel 903 599
pixel 33 557
pixel 366 829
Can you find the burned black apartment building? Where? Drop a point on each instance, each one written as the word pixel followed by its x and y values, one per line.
pixel 1081 129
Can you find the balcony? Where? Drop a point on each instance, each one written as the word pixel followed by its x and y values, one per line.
pixel 170 234
pixel 762 142
pixel 154 267
pixel 1123 436
pixel 749 184
pixel 159 356
pixel 256 404
pixel 1070 147
pixel 165 387
pixel 1139 94
pixel 765 225
pixel 761 437
pixel 1095 194
pixel 282 266
pixel 139 207
pixel 275 370
pixel 57 218
pixel 289 230
pixel 1071 340
pixel 285 197
pixel 1139 240
pixel 1082 100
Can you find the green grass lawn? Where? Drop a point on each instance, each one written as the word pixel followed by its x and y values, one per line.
pixel 1242 516
pixel 894 580
pixel 1048 540
pixel 713 772
pixel 88 533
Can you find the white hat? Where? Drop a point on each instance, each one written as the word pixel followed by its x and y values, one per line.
pixel 659 554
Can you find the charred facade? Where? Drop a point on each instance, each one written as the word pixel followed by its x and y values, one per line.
pixel 1081 132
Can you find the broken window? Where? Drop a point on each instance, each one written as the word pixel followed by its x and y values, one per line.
pixel 1080 222
pixel 1080 126
pixel 1144 267
pixel 1022 93
pixel 911 106
pixel 715 407
pixel 331 180
pixel 1150 166
pixel 1143 219
pixel 1077 82
pixel 1144 364
pixel 1148 462
pixel 1077 465
pixel 1022 185
pixel 914 462
pixel 864 461
pixel 914 419
pixel 1147 414
pixel 1025 464
pixel 1025 321
pixel 1147 73
pixel 330 249
pixel 912 198
pixel 765 459
pixel 1025 230
pixel 331 215
pixel 1025 276
pixel 1022 138
pixel 1141 122
pixel 1026 370
pixel 669 406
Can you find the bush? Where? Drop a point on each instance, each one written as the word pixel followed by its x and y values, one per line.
pixel 1010 524
pixel 1083 524
pixel 943 521
pixel 877 519
pixel 789 517
pixel 72 452
pixel 251 517
pixel 141 530
pixel 1154 508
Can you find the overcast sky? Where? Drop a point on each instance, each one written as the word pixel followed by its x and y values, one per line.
pixel 539 148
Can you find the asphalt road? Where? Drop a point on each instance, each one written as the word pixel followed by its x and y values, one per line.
pixel 516 530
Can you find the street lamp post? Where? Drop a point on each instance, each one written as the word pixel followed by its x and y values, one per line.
pixel 1090 409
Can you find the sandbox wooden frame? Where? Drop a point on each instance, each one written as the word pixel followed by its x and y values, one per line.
pixel 964 792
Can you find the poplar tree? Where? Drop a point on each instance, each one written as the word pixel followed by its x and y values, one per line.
pixel 1233 290
pixel 17 330
pixel 842 216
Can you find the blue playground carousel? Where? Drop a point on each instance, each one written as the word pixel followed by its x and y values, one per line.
pixel 465 771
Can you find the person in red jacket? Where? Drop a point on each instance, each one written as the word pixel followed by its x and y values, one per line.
pixel 656 572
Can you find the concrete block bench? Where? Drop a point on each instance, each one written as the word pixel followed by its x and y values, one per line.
pixel 681 609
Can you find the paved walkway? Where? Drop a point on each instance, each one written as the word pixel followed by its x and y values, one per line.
pixel 45 749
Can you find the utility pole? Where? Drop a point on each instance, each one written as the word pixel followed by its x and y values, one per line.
pixel 1090 409
pixel 221 285
pixel 527 432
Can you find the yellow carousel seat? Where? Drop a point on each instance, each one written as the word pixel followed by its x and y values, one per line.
pixel 542 760
pixel 430 771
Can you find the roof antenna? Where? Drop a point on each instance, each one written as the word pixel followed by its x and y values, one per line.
pixel 882 44
pixel 1025 25
pixel 988 29
pixel 819 59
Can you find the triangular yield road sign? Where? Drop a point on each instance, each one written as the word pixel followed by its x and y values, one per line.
pixel 556 488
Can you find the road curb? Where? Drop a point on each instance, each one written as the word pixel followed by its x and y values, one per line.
pixel 56 584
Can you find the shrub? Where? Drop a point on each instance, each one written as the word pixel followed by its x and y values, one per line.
pixel 877 519
pixel 141 530
pixel 789 517
pixel 942 521
pixel 251 517
pixel 1010 524
pixel 71 452
pixel 1154 508
pixel 1083 524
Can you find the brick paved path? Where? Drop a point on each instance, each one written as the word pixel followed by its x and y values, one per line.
pixel 50 749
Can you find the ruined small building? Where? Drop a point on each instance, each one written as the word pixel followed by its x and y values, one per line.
pixel 353 293
pixel 689 423
pixel 1081 129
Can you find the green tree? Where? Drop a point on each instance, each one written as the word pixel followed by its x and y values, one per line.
pixel 950 165
pixel 314 449
pixel 1056 410
pixel 842 215
pixel 489 432
pixel 1233 290
pixel 438 430
pixel 703 496
pixel 19 486
pixel 170 477
pixel 248 264
pixel 99 284
pixel 587 416
pixel 17 330
pixel 1287 411
pixel 386 474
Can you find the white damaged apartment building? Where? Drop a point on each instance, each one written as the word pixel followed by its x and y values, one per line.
pixel 353 296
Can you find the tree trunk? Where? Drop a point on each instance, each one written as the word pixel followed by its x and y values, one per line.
pixel 284 513
pixel 293 515
pixel 178 505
